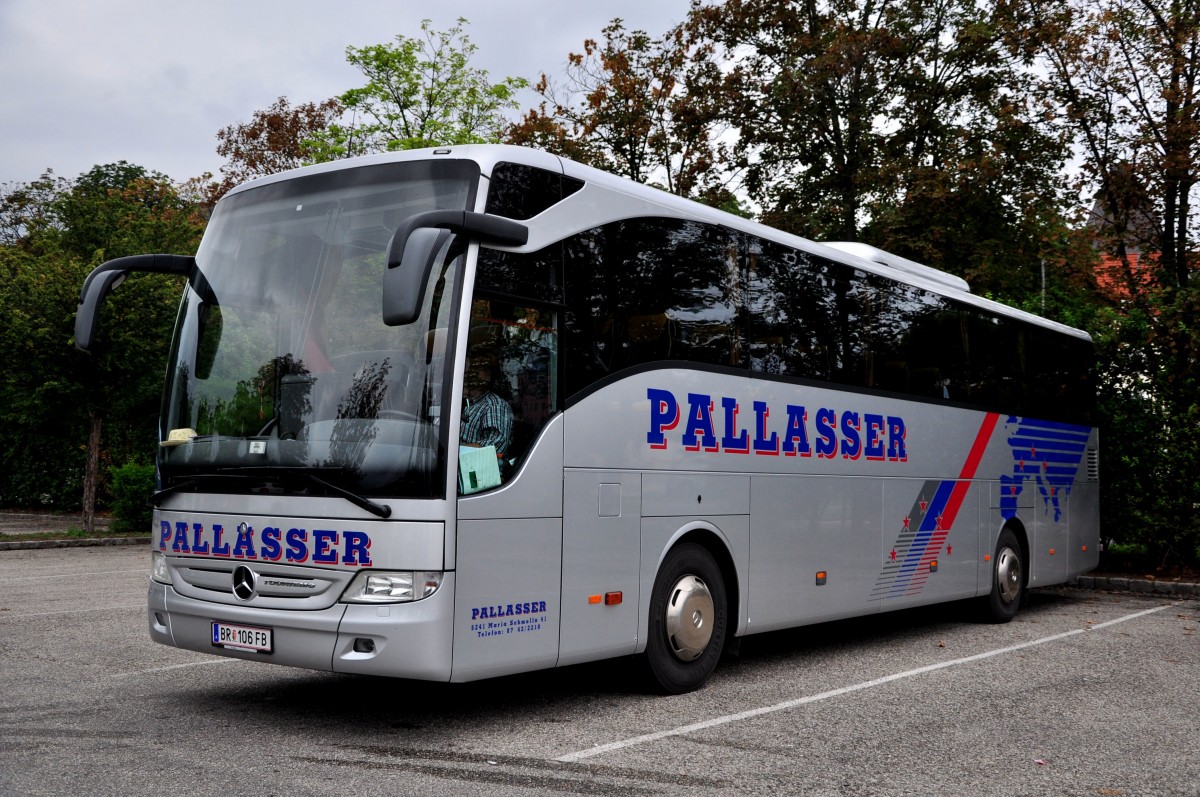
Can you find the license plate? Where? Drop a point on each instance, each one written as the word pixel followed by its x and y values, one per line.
pixel 242 637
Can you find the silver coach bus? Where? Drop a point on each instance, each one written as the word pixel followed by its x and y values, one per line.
pixel 456 413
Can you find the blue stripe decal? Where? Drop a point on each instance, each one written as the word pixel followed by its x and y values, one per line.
pixel 1047 455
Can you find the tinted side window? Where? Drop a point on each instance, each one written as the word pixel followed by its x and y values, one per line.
pixel 808 317
pixel 1061 377
pixel 530 275
pixel 920 343
pixel 521 192
pixel 647 290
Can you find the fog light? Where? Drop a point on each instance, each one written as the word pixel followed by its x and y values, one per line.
pixel 362 645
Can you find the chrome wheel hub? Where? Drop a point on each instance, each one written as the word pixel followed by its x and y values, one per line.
pixel 1008 574
pixel 689 618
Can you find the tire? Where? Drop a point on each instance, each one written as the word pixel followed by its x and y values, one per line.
pixel 688 620
pixel 1008 580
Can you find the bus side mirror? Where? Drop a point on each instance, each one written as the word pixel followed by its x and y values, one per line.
pixel 107 276
pixel 404 284
pixel 415 246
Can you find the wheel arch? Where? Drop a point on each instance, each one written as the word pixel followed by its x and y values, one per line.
pixel 718 547
pixel 715 541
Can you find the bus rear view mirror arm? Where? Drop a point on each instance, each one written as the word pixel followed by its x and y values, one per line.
pixel 414 248
pixel 107 276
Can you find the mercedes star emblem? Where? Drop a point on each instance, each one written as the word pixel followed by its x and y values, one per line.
pixel 243 583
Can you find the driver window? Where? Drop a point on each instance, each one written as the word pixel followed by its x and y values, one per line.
pixel 509 383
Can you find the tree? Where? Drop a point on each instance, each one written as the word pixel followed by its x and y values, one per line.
pixel 52 397
pixel 420 92
pixel 1125 73
pixel 25 210
pixel 899 123
pixel 275 139
pixel 634 105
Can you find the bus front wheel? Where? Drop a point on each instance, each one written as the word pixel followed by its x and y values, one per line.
pixel 1008 580
pixel 688 620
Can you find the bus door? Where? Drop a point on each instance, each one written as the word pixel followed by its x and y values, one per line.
pixel 508 555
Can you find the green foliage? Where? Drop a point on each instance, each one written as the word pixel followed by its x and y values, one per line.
pixel 52 396
pixel 131 486
pixel 420 92
pixel 276 139
pixel 640 107
pixel 1151 443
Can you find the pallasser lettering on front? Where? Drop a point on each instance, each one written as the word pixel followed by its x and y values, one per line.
pixel 346 547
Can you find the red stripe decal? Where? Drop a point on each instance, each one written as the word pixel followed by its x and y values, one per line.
pixel 968 470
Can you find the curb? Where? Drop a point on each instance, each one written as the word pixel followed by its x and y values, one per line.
pixel 1144 586
pixel 25 545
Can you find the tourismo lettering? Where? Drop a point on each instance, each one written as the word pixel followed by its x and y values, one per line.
pixel 705 424
pixel 295 546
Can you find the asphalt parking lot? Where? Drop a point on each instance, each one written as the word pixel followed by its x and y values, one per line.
pixel 1086 693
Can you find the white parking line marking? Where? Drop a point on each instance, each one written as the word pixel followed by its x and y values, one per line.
pixel 6 616
pixel 789 704
pixel 174 667
pixel 145 571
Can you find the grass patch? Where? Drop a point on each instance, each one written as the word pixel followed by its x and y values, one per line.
pixel 71 534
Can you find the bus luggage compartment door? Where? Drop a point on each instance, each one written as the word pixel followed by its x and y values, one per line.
pixel 601 549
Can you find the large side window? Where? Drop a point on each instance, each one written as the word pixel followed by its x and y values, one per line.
pixel 1061 377
pixel 920 343
pixel 807 319
pixel 650 290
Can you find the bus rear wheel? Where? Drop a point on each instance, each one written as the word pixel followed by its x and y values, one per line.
pixel 688 620
pixel 1008 580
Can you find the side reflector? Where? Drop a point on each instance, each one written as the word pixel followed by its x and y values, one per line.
pixel 933 566
pixel 594 599
pixel 612 598
pixel 987 557
pixel 822 577
pixel 1052 552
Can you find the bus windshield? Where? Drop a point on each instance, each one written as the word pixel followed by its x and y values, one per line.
pixel 282 368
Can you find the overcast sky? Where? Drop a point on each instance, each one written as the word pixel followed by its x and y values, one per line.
pixel 87 82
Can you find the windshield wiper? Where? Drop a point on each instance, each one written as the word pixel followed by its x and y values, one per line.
pixel 379 510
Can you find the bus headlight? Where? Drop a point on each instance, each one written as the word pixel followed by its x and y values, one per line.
pixel 158 568
pixel 374 586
